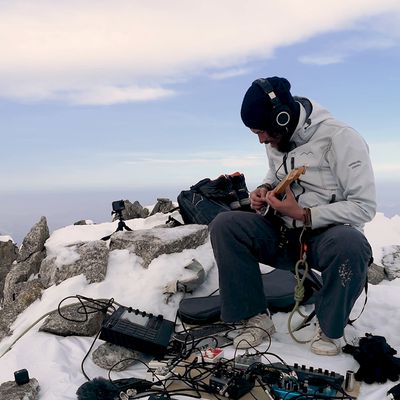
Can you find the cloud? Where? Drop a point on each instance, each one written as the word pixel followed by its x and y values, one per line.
pixel 112 95
pixel 340 51
pixel 230 73
pixel 85 94
pixel 373 34
pixel 322 59
pixel 101 52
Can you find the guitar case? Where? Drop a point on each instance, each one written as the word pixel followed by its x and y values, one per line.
pixel 279 286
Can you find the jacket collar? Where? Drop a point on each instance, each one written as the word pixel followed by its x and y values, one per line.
pixel 302 134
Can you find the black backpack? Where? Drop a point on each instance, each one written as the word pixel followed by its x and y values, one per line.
pixel 206 199
pixel 196 208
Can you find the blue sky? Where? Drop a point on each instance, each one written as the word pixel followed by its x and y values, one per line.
pixel 98 95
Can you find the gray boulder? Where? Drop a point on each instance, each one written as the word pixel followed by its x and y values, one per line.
pixel 7 316
pixel 92 263
pixel 132 210
pixel 11 391
pixel 376 274
pixel 20 273
pixel 34 240
pixel 27 264
pixel 109 355
pixel 163 205
pixel 75 320
pixel 29 292
pixel 82 222
pixel 151 243
pixel 391 261
pixel 8 254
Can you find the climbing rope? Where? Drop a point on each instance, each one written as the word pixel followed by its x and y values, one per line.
pixel 299 290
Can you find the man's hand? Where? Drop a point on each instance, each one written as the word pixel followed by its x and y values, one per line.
pixel 288 206
pixel 258 198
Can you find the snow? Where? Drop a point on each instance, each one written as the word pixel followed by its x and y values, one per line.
pixel 6 238
pixel 55 361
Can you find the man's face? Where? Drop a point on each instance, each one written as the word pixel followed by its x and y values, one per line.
pixel 265 138
pixel 276 140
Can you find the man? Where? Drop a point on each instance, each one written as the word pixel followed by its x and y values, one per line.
pixel 331 202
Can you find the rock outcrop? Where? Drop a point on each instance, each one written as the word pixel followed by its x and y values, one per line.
pixel 11 391
pixel 151 243
pixel 163 205
pixel 91 261
pixel 78 319
pixel 376 274
pixel 29 271
pixel 391 261
pixel 8 254
pixel 132 210
pixel 109 355
pixel 22 285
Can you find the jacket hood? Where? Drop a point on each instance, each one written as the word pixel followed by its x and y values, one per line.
pixel 311 115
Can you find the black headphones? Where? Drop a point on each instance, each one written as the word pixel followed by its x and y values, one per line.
pixel 280 112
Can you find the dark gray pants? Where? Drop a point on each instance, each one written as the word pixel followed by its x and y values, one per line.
pixel 242 240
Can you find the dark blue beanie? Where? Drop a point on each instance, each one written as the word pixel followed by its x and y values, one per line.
pixel 257 108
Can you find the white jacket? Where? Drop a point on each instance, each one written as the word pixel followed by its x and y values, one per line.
pixel 338 185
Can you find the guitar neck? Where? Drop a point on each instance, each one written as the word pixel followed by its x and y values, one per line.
pixel 288 179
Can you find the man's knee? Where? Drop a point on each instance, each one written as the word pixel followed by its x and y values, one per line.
pixel 348 239
pixel 221 223
pixel 346 242
pixel 232 222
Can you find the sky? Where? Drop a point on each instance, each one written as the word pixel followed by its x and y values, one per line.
pixel 129 96
pixel 58 369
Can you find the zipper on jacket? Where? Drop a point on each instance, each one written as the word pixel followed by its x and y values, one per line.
pixel 284 163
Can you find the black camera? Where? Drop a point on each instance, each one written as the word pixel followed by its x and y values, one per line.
pixel 118 206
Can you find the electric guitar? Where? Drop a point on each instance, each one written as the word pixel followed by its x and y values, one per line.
pixel 293 175
pixel 280 188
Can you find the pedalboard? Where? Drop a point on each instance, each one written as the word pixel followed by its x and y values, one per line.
pixel 287 382
pixel 231 383
pixel 138 330
pixel 244 361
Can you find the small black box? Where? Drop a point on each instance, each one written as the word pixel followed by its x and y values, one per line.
pixel 21 376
